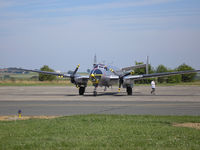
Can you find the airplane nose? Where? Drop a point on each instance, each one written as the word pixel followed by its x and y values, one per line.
pixel 93 78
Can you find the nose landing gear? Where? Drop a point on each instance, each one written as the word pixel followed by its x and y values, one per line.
pixel 95 91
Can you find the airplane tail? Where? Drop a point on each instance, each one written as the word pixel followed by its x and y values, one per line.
pixel 133 67
pixel 138 66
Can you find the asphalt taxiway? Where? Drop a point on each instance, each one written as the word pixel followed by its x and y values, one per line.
pixel 59 101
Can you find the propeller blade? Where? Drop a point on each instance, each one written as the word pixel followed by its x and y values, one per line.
pixel 121 77
pixel 75 70
pixel 120 84
pixel 129 73
pixel 114 72
pixel 73 74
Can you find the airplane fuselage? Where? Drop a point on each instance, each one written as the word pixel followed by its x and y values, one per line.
pixel 100 76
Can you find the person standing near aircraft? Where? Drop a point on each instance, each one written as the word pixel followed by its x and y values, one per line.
pixel 153 86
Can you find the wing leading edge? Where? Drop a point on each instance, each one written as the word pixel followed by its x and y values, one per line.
pixel 144 76
pixel 45 72
pixel 54 73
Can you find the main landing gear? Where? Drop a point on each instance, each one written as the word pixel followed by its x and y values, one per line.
pixel 95 93
pixel 81 90
pixel 129 90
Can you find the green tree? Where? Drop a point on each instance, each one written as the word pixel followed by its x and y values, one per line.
pixel 186 77
pixel 160 69
pixel 44 77
pixel 174 78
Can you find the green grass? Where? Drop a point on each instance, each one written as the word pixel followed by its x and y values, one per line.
pixel 35 83
pixel 64 82
pixel 100 132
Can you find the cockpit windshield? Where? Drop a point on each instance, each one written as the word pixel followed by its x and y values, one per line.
pixel 98 69
pixel 100 66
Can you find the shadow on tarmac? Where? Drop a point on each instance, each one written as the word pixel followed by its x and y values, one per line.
pixel 89 94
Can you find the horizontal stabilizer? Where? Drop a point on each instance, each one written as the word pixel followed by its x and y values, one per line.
pixel 133 67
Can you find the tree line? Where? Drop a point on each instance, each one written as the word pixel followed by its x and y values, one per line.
pixel 169 79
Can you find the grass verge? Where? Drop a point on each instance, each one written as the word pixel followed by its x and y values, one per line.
pixel 100 132
pixel 37 83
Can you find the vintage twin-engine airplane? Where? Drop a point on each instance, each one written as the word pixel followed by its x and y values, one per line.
pixel 102 75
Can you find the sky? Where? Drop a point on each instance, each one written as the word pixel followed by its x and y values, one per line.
pixel 65 33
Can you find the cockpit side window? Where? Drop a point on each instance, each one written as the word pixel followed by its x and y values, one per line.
pixel 96 66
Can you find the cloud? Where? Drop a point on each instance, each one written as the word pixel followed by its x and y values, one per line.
pixel 36 27
pixel 20 3
pixel 110 5
pixel 103 5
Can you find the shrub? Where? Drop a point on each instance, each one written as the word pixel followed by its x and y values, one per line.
pixel 44 77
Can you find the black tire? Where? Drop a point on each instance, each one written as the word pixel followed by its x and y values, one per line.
pixel 95 93
pixel 81 90
pixel 129 91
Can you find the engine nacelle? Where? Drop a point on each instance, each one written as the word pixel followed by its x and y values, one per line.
pixel 128 83
pixel 81 81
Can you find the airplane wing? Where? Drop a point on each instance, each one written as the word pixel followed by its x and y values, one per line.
pixel 113 77
pixel 76 79
pixel 45 72
pixel 144 76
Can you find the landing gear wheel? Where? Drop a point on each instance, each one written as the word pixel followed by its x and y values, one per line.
pixel 81 90
pixel 129 90
pixel 95 93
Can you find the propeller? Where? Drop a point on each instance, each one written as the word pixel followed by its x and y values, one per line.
pixel 72 76
pixel 121 77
